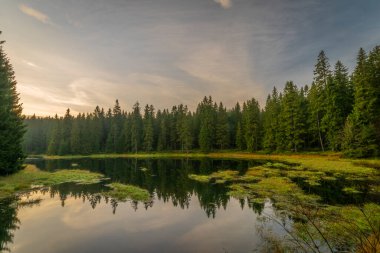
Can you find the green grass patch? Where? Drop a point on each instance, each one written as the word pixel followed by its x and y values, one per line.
pixel 32 177
pixel 122 192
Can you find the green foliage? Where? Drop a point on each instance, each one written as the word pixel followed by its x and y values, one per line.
pixel 362 130
pixel 11 119
pixel 122 192
pixel 32 177
pixel 251 124
pixel 207 116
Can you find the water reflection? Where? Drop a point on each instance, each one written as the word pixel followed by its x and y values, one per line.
pixel 166 180
pixel 8 222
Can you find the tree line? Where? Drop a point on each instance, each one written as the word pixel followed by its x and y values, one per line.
pixel 338 111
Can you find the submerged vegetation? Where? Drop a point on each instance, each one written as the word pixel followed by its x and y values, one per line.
pixel 296 191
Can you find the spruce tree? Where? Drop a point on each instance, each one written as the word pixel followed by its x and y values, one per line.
pixel 222 134
pixel 11 119
pixel 148 128
pixel 251 124
pixel 317 97
pixel 362 130
pixel 207 114
pixel 271 121
pixel 292 117
pixel 338 102
pixel 136 128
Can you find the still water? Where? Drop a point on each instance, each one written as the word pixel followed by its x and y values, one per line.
pixel 183 216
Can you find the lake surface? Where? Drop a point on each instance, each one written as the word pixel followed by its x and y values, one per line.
pixel 184 215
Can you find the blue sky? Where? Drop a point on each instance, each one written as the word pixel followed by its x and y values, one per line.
pixel 79 54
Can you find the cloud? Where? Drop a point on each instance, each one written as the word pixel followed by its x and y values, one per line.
pixel 35 14
pixel 224 3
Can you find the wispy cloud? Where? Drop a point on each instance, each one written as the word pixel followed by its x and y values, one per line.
pixel 35 14
pixel 224 3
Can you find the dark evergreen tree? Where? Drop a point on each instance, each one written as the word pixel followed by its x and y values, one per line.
pixel 148 128
pixel 11 119
pixel 136 128
pixel 207 115
pixel 292 117
pixel 338 101
pixel 362 130
pixel 222 133
pixel 317 97
pixel 251 124
pixel 271 121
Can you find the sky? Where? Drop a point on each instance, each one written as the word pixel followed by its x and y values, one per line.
pixel 81 53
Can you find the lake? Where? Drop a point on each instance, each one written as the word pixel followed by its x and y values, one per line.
pixel 183 215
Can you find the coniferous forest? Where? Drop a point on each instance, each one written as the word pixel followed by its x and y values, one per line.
pixel 338 111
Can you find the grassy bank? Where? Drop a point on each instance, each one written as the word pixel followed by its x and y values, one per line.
pixel 326 162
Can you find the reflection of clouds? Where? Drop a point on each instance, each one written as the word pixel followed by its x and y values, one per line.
pixel 52 228
pixel 79 216
pixel 228 233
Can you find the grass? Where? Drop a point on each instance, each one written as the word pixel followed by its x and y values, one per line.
pixel 122 192
pixel 32 177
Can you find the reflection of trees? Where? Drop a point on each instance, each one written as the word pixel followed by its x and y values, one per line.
pixel 8 219
pixel 8 222
pixel 166 178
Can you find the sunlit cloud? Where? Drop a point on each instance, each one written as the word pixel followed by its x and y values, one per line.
pixel 35 14
pixel 31 64
pixel 224 3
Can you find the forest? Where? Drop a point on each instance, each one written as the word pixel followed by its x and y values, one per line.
pixel 339 111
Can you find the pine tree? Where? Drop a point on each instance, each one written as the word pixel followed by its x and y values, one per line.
pixel 222 134
pixel 76 140
pixel 338 101
pixel 317 96
pixel 234 116
pixel 148 128
pixel 292 118
pixel 55 137
pixel 11 119
pixel 207 115
pixel 136 128
pixel 64 144
pixel 240 144
pixel 362 130
pixel 271 121
pixel 184 128
pixel 251 124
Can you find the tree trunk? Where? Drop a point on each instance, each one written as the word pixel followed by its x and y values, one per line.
pixel 319 133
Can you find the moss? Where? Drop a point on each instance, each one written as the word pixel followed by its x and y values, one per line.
pixel 219 177
pixel 31 177
pixel 200 178
pixel 122 192
pixel 351 190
